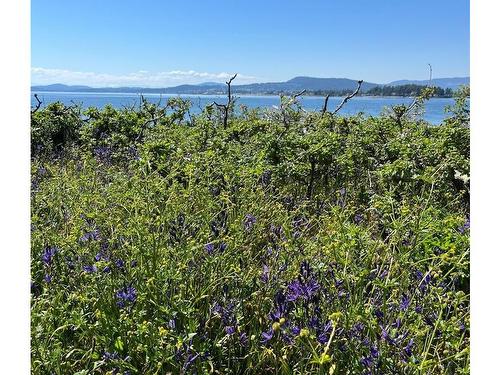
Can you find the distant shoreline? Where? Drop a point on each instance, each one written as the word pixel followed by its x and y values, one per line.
pixel 220 95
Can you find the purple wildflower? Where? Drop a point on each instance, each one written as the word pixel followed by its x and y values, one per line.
pixel 386 337
pixel 280 306
pixel 358 218
pixel 210 248
pixel 47 278
pixel 423 281
pixel 379 314
pixel 243 339
pixel 103 153
pixel 222 247
pixel 465 227
pixel 266 178
pixel 107 356
pixel 249 222
pixel 267 336
pixel 462 327
pixel 367 361
pixel 119 263
pixel 230 330
pixel 306 290
pixel 91 236
pixel 90 269
pixel 126 295
pixel 48 254
pixel 324 334
pixel 189 360
pixel 265 274
pixel 408 348
pixel 101 255
pixel 397 323
pixel 294 291
pixel 405 303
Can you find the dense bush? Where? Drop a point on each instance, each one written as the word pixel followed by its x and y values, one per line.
pixel 286 243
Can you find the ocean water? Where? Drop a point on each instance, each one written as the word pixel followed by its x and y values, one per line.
pixel 434 108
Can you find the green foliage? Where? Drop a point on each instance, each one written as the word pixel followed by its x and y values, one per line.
pixel 408 90
pixel 210 226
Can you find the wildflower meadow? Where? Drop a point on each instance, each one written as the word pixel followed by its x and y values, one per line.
pixel 248 241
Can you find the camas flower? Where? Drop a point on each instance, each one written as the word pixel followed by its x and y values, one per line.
pixel 267 335
pixel 386 337
pixel 298 289
pixel 119 263
pixel 280 307
pixel 48 254
pixel 405 303
pixel 295 330
pixel 324 333
pixel 249 222
pixel 230 330
pixel 90 269
pixel 408 348
pixel 91 236
pixel 265 274
pixel 126 296
pixel 367 361
pixel 243 339
pixel 358 218
pixel 464 227
pixel 210 248
pixel 107 356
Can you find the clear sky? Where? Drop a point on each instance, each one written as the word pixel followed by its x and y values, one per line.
pixel 161 43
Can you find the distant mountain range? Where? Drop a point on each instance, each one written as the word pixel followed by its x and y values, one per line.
pixel 311 84
pixel 452 83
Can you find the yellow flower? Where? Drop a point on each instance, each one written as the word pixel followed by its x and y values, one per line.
pixel 325 358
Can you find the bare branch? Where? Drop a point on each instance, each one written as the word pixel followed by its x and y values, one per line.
pixel 38 104
pixel 417 98
pixel 348 97
pixel 226 107
pixel 325 105
pixel 217 104
pixel 231 79
pixel 295 96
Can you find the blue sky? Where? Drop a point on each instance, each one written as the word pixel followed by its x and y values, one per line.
pixel 162 43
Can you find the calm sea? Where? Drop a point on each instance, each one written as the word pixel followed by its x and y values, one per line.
pixel 434 108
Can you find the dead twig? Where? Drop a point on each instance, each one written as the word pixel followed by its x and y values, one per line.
pixel 39 104
pixel 295 96
pixel 418 99
pixel 348 97
pixel 325 105
pixel 226 107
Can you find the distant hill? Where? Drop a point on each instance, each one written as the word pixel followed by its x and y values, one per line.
pixel 311 84
pixel 60 87
pixel 303 83
pixel 452 83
